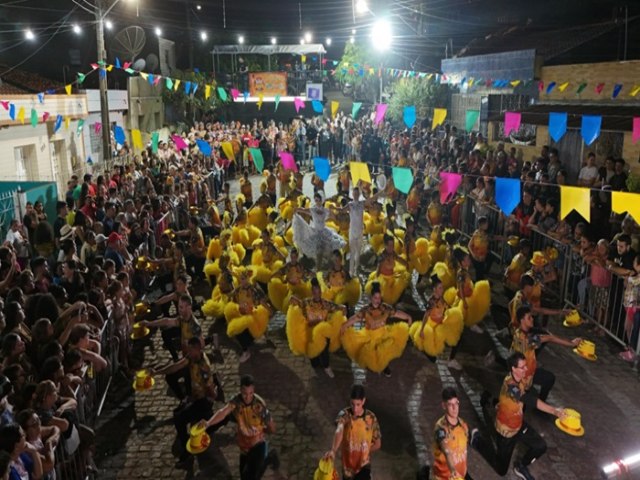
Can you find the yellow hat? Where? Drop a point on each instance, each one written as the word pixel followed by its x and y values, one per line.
pixel 572 319
pixel 199 440
pixel 143 381
pixel 539 259
pixel 571 423
pixel 587 350
pixel 513 240
pixel 325 470
pixel 551 253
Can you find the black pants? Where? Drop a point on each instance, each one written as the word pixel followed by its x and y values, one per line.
pixel 173 380
pixel 253 463
pixel 545 379
pixel 190 413
pixel 482 268
pixel 321 360
pixel 534 443
pixel 363 474
pixel 245 339
pixel 195 266
pixel 171 340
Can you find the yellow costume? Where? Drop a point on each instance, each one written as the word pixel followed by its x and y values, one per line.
pixel 293 284
pixel 437 247
pixel 218 246
pixel 259 216
pixel 443 325
pixel 267 259
pixel 375 345
pixel 214 307
pixel 244 234
pixel 445 274
pixel 392 276
pixel 374 221
pixel 416 253
pixel 339 288
pixel 518 266
pixel 477 298
pixel 245 312
pixel 311 325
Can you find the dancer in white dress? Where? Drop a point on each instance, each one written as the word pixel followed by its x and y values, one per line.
pixel 316 240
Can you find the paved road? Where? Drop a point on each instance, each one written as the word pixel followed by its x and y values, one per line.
pixel 137 434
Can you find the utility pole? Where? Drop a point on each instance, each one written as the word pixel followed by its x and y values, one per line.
pixel 187 5
pixel 102 82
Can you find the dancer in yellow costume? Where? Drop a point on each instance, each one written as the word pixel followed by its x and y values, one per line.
pixel 242 232
pixel 313 327
pixel 437 245
pixel 374 219
pixel 391 274
pixel 214 307
pixel 219 247
pixel 266 258
pixel 379 342
pixel 390 228
pixel 258 214
pixel 416 249
pixel 337 285
pixel 441 325
pixel 445 269
pixel 289 281
pixel 473 299
pixel 247 312
pixel 517 268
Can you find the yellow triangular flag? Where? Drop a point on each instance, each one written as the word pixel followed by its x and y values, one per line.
pixel 109 68
pixel 430 76
pixel 303 58
pixel 562 87
pixel 176 85
pixel 67 121
pixel 439 114
pixel 144 75
pixel 372 71
pixel 21 114
pixel 334 108
pixel 260 98
pixel 67 88
pixel 470 82
pixel 634 91
pixel 207 92
pixel 227 148
pixel 575 198
pixel 359 171
pixel 136 139
pixel 626 202
pixel 515 83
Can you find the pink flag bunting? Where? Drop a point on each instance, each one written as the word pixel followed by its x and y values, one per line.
pixel 381 109
pixel 512 122
pixel 126 65
pixel 288 162
pixel 94 66
pixel 540 86
pixel 449 186
pixel 235 93
pixel 599 88
pixel 298 103
pixel 5 105
pixel 636 129
pixel 156 79
pixel 45 115
pixel 97 127
pixel 179 141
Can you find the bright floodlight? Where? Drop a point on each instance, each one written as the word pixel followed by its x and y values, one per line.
pixel 28 34
pixel 76 29
pixel 352 40
pixel 302 41
pixel 353 31
pixel 273 40
pixel 203 36
pixel 308 37
pixel 328 41
pixel 361 6
pixel 240 39
pixel 381 35
pixel 108 24
pixel 198 7
pixel 158 31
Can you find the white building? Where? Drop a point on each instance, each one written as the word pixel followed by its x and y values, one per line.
pixel 118 107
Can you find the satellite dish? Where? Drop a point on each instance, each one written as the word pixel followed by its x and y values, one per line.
pixel 152 62
pixel 139 64
pixel 128 43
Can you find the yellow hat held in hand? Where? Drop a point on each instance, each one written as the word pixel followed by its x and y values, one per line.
pixel 587 350
pixel 571 423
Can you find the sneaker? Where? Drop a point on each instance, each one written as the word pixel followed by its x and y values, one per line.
pixel 329 372
pixel 246 355
pixel 627 355
pixel 490 358
pixel 521 471
pixel 454 364
pixel 476 329
pixel 387 372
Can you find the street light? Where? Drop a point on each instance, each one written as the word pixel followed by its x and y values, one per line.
pixel 352 40
pixel 353 31
pixel 308 37
pixel 328 41
pixel 273 40
pixel 108 24
pixel 361 6
pixel 158 31
pixel 76 29
pixel 381 35
pixel 302 41
pixel 240 39
pixel 28 34
pixel 203 36
pixel 198 7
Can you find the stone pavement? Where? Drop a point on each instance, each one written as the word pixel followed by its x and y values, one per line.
pixel 136 434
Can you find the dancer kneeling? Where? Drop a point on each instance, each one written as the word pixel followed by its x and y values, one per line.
pixel 379 342
pixel 391 274
pixel 313 327
pixel 289 281
pixel 337 285
pixel 247 313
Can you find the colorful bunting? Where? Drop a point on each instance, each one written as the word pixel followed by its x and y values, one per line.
pixel 636 129
pixel 590 130
pixel 626 202
pixel 204 147
pixel 58 124
pixel 136 139
pixel 67 122
pixel 409 116
pixel 34 117
pixel 550 87
pixel 222 93
pixel 45 116
pixel 563 86
pixel 245 94
pixel 227 148
pixel 575 198
pixel 507 194
pixel 187 87
pixel 439 115
pixel 334 108
pixel 359 171
pixel 557 125
pixel 402 179
pixel 5 105
pixel 41 97
pixel 155 140
pixel 260 100
pixel 471 119
pixel 512 122
pixel 381 109
pixel 355 108
pixel 634 91
pixel 599 88
pixel 118 134
pixel 322 168
pixel 21 115
pixel 80 127
pixel 298 103
pixel 288 162
pixel 449 186
pixel 179 142
pixel 581 87
pixel 97 128
pixel 207 92
pixel 235 93
pixel 176 85
pixel 317 106
pixel 616 90
pixel 12 111
pixel 277 102
pixel 67 88
pixel 258 160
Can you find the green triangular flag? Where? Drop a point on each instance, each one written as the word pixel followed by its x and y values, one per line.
pixel 402 179
pixel 222 93
pixel 34 117
pixel 81 78
pixel 472 118
pixel 277 102
pixel 355 109
pixel 102 63
pixel 581 88
pixel 130 71
pixel 169 83
pixel 80 126
pixel 155 138
pixel 258 161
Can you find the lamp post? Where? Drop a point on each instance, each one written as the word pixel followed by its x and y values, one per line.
pixel 102 81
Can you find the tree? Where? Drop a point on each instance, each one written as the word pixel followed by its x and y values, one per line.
pixel 425 94
pixel 193 104
pixel 354 68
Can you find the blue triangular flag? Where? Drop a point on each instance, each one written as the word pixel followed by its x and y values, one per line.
pixel 118 134
pixel 550 87
pixel 507 194
pixel 150 78
pixel 616 90
pixel 41 97
pixel 322 168
pixel 204 147
pixel 58 123
pixel 187 87
pixel 317 106
pixel 103 73
pixel 194 88
pixel 557 125
pixel 196 69
pixel 245 95
pixel 590 130
pixel 118 63
pixel 409 116
pixel 89 160
pixel 12 111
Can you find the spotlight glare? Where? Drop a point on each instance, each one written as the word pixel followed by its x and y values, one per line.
pixel 158 31
pixel 352 40
pixel 273 40
pixel 308 37
pixel 198 7
pixel 108 24
pixel 241 39
pixel 381 35
pixel 361 6
pixel 203 36
pixel 76 29
pixel 328 41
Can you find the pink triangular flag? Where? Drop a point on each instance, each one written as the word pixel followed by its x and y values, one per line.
pixel 599 88
pixel 45 115
pixel 288 161
pixel 298 103
pixel 512 122
pixel 179 141
pixel 156 79
pixel 235 93
pixel 126 65
pixel 97 127
pixel 449 185
pixel 5 105
pixel 636 129
pixel 381 109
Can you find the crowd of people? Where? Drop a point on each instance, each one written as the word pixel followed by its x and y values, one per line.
pixel 167 222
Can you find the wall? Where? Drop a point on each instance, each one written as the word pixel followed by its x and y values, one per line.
pixel 146 108
pixel 118 105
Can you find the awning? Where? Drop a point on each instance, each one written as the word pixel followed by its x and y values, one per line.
pixel 615 118
pixel 269 49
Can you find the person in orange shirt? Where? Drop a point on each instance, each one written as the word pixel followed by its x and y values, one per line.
pixel 357 436
pixel 516 269
pixel 246 189
pixel 254 421
pixel 435 211
pixel 479 249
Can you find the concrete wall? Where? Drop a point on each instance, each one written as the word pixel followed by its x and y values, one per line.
pixel 118 106
pixel 146 108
